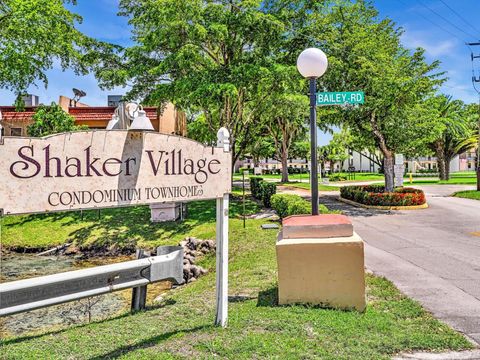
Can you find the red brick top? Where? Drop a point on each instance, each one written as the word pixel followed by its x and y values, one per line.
pixel 309 220
pixel 91 113
pixel 102 113
pixel 12 116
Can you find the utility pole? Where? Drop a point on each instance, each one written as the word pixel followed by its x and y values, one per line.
pixel 475 81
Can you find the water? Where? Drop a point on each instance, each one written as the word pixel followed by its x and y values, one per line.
pixel 21 266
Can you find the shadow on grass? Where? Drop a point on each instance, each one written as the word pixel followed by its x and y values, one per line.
pixel 123 227
pixel 268 297
pixel 147 343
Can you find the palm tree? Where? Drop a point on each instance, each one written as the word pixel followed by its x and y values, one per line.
pixel 454 139
pixel 472 142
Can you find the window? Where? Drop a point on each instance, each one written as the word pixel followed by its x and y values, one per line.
pixel 16 132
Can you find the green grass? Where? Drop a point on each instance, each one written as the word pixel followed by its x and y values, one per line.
pixel 181 327
pixel 125 228
pixel 296 177
pixel 468 194
pixel 302 185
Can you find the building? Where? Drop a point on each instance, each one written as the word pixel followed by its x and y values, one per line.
pixel 272 165
pixel 166 119
pixel 363 163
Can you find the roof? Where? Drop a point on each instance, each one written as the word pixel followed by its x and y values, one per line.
pixel 17 117
pixel 80 114
pixel 102 113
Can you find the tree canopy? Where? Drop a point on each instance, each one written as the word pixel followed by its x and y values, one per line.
pixel 36 35
pixel 51 119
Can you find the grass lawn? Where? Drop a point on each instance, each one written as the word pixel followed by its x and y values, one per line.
pixel 468 194
pixel 127 227
pixel 303 185
pixel 181 327
pixel 296 177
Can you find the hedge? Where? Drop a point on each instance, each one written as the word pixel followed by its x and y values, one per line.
pixel 255 186
pixel 375 195
pixel 288 204
pixel 267 189
pixel 262 190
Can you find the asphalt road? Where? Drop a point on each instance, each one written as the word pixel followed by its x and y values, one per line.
pixel 432 255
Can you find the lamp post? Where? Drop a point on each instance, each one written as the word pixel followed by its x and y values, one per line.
pixel 312 63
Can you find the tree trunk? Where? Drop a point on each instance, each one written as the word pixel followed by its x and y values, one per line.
pixel 478 167
pixel 441 161
pixel 284 168
pixel 447 169
pixel 478 178
pixel 388 169
pixel 388 161
pixel 284 159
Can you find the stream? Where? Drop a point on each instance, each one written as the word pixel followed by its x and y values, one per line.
pixel 15 266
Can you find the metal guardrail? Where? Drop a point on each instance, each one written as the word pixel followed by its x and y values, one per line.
pixel 29 294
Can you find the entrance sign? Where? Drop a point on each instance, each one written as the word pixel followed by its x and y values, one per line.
pixel 99 169
pixel 111 168
pixel 340 98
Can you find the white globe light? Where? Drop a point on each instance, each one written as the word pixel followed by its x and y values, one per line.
pixel 312 63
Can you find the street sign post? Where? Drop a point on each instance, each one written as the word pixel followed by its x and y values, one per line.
pixel 340 98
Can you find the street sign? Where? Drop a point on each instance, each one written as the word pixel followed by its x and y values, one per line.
pixel 340 98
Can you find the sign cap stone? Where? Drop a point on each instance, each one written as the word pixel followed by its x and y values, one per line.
pixel 316 226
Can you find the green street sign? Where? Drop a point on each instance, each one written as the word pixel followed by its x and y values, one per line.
pixel 340 98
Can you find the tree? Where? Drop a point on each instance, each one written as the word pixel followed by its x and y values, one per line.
pixel 457 129
pixel 35 33
pixel 473 140
pixel 300 149
pixel 285 118
pixel 395 82
pixel 335 151
pixel 208 56
pixel 262 148
pixel 51 119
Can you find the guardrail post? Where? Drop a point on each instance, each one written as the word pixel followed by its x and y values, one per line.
pixel 139 294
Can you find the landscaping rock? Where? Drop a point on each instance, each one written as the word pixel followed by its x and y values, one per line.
pixel 192 247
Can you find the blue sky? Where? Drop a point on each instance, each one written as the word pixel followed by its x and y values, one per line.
pixel 427 23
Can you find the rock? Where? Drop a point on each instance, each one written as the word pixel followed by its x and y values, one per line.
pixel 158 299
pixel 195 270
pixel 210 244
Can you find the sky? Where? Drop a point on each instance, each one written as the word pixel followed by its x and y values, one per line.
pixel 441 27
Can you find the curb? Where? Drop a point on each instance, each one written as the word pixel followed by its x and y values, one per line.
pixel 354 203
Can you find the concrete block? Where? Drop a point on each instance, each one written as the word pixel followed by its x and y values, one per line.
pixel 328 271
pixel 316 226
pixel 164 212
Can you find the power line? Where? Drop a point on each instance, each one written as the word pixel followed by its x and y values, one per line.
pixel 435 24
pixel 460 17
pixel 446 20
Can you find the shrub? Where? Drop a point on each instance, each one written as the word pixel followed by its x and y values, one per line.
pixel 262 190
pixel 376 195
pixel 288 204
pixel 255 186
pixel 266 191
pixel 337 177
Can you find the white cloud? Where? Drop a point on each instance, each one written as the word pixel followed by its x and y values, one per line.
pixel 433 47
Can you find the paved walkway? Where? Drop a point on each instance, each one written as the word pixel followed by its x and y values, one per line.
pixel 432 255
